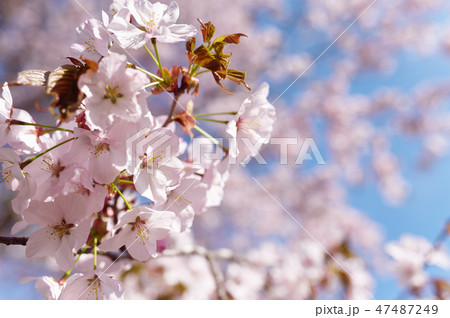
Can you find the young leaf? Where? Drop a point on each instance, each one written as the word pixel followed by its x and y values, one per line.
pixel 208 30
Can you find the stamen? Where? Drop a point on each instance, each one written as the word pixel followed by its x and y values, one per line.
pixel 90 47
pixel 112 93
pixel 95 288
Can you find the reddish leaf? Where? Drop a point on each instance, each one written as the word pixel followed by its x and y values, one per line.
pixel 208 30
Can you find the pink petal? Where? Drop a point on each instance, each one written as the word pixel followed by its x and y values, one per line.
pixel 42 243
pixel 117 241
pixel 141 248
pixel 64 255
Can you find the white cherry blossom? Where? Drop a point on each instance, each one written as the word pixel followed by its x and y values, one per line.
pixel 93 40
pixel 46 285
pixel 140 229
pixel 114 91
pixel 23 139
pixel 93 285
pixel 186 200
pixel 154 164
pixel 65 227
pixel 150 21
pixel 252 125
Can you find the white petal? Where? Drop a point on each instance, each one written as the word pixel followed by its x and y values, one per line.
pixel 171 15
pixel 43 213
pixel 42 243
pixel 117 241
pixel 73 207
pixel 112 289
pixel 64 255
pixel 141 247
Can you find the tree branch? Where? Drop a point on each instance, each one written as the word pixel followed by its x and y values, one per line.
pixel 13 240
pixel 218 277
pixel 172 110
pixel 211 257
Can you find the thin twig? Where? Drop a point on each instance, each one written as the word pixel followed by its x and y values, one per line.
pixel 218 277
pixel 211 257
pixel 172 110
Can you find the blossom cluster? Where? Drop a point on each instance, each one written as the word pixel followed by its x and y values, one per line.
pixel 108 146
pixel 358 132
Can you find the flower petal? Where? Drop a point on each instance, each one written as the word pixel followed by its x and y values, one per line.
pixel 42 243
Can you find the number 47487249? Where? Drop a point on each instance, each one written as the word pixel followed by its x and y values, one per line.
pixel 407 309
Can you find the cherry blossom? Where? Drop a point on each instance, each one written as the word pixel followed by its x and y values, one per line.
pixel 64 228
pixel 113 91
pixel 157 166
pixel 52 171
pixel 94 285
pixel 252 125
pixel 140 229
pixel 215 178
pixel 186 200
pixel 411 254
pixel 105 151
pixel 93 193
pixel 152 21
pixel 5 113
pixel 93 40
pixel 267 255
pixel 24 139
pixel 12 174
pixel 46 285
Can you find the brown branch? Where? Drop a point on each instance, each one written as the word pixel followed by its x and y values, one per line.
pixel 217 275
pixel 211 257
pixel 13 240
pixel 172 110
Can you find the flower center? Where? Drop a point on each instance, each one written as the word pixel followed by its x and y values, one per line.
pixel 95 288
pixel 112 93
pixel 59 230
pixel 182 200
pixel 247 125
pixel 49 165
pixel 151 22
pixel 99 149
pixel 6 174
pixel 141 230
pixel 90 47
pixel 154 159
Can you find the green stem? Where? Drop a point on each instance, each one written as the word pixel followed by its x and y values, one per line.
pixel 214 114
pixel 67 274
pixel 156 77
pixel 30 160
pixel 194 70
pixel 213 120
pixel 152 84
pixel 121 195
pixel 82 252
pixel 48 131
pixel 125 181
pixel 152 56
pixel 157 56
pixel 214 140
pixel 95 252
pixel 205 71
pixel 22 123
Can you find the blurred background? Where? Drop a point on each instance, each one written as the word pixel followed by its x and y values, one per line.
pixel 368 80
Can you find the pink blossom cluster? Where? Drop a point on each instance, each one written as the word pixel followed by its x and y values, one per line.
pixel 359 147
pixel 68 177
